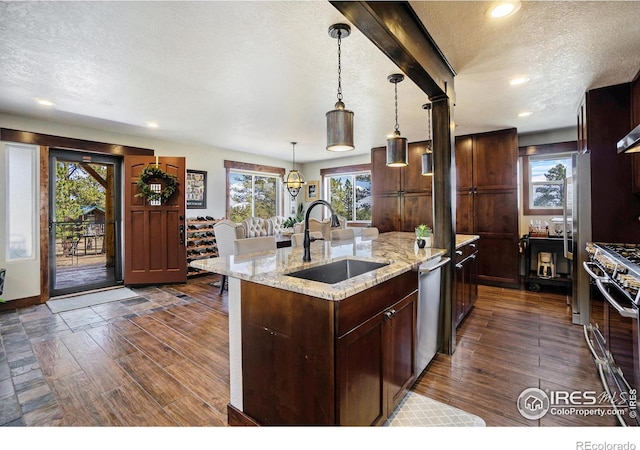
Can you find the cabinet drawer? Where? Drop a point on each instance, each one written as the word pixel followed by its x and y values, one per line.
pixel 465 251
pixel 357 309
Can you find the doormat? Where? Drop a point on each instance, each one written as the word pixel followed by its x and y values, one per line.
pixel 416 410
pixel 90 299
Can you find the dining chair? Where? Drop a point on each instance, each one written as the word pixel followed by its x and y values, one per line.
pixel 342 234
pixel 254 244
pixel 226 232
pixel 297 239
pixel 370 233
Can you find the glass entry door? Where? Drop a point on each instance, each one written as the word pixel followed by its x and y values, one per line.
pixel 84 221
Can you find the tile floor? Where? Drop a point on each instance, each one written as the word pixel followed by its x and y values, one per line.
pixel 25 397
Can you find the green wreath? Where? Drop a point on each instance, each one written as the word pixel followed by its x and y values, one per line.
pixel 150 173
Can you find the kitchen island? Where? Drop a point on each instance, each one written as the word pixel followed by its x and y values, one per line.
pixel 308 353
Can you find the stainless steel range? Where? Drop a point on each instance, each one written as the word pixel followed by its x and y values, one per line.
pixel 613 334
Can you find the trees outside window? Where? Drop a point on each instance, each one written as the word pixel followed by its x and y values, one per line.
pixel 544 183
pixel 350 195
pixel 252 195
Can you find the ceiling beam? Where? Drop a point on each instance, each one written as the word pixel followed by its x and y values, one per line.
pixel 397 31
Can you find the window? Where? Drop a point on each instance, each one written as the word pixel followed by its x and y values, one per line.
pixel 21 201
pixel 253 191
pixel 543 177
pixel 348 189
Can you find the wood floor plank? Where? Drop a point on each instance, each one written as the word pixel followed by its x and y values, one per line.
pixel 111 342
pixel 157 350
pixel 101 369
pixel 155 381
pixel 190 411
pixel 80 402
pixel 55 359
pixel 134 407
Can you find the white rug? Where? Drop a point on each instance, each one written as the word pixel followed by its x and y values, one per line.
pixel 416 410
pixel 90 299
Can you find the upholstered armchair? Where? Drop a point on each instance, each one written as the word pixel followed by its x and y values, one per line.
pixel 277 223
pixel 257 226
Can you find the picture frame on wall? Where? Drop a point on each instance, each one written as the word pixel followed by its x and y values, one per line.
pixel 312 191
pixel 196 189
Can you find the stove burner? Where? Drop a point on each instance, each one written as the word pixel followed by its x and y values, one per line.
pixel 621 262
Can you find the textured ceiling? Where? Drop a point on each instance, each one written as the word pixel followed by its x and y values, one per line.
pixel 253 76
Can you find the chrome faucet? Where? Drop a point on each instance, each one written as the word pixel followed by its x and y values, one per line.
pixel 307 239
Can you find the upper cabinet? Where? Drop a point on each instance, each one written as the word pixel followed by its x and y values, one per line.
pixel 487 201
pixel 614 207
pixel 402 196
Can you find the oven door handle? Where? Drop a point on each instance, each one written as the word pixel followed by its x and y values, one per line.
pixel 624 312
pixel 592 274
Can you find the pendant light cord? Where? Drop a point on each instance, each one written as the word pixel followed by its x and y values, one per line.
pixel 396 86
pixel 339 66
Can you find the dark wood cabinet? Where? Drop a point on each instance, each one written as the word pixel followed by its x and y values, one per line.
pixel 614 206
pixel 402 196
pixel 310 361
pixel 487 201
pixel 376 364
pixel 466 287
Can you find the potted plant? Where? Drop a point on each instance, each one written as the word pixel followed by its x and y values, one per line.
pixel 423 236
pixel 299 217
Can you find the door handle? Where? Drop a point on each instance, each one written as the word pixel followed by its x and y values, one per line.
pixel 181 233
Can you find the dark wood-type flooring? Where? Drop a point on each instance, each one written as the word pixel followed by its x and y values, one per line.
pixel 162 360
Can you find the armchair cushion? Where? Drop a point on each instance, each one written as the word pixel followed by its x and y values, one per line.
pixel 257 226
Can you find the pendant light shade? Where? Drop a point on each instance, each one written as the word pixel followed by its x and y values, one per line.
pixel 427 156
pixel 397 148
pixel 340 119
pixel 294 180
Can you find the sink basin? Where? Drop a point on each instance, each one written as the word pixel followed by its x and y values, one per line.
pixel 338 271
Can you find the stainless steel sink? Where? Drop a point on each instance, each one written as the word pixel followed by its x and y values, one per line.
pixel 338 271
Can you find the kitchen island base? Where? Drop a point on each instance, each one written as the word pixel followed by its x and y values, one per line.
pixel 309 361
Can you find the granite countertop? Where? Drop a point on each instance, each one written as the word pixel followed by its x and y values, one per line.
pixel 464 239
pixel 270 268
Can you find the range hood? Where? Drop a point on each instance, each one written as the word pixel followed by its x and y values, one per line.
pixel 631 142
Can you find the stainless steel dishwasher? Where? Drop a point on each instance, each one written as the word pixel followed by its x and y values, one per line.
pixel 428 311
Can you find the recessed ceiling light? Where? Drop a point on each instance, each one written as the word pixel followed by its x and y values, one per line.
pixel 503 9
pixel 152 125
pixel 44 102
pixel 519 80
pixel 525 114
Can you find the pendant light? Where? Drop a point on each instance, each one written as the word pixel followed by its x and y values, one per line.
pixel 339 120
pixel 294 180
pixel 396 145
pixel 427 156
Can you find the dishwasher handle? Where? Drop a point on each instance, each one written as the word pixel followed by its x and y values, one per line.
pixel 442 262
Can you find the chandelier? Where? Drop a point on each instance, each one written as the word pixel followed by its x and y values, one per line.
pixel 294 180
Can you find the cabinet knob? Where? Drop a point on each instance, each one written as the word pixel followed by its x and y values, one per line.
pixel 389 314
pixel 458 252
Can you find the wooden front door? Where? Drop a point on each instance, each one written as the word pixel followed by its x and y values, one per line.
pixel 154 235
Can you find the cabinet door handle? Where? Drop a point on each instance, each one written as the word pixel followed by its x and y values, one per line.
pixel 459 266
pixel 458 252
pixel 473 256
pixel 472 245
